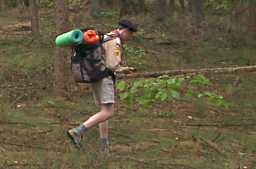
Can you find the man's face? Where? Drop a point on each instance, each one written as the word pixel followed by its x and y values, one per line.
pixel 125 34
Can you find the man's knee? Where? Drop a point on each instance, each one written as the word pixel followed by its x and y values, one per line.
pixel 108 109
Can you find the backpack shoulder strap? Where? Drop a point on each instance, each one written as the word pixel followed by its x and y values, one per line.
pixel 110 36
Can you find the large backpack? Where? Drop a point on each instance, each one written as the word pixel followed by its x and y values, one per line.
pixel 87 62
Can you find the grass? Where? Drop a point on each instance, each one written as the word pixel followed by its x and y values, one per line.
pixel 132 137
pixel 219 52
pixel 24 56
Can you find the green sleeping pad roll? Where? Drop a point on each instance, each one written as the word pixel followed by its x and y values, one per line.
pixel 73 37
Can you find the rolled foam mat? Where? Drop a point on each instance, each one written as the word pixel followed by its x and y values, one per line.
pixel 69 38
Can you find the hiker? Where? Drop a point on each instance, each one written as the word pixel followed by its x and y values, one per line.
pixel 103 89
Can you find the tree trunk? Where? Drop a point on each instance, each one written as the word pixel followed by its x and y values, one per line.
pixel 182 5
pixel 27 3
pixel 34 17
pixel 2 5
pixel 141 6
pixel 224 70
pixel 61 81
pixel 190 5
pixel 164 10
pixel 161 10
pixel 20 3
pixel 95 8
pixel 171 8
pixel 131 7
pixel 197 11
pixel 107 3
pixel 252 19
pixel 85 13
pixel 124 7
pixel 21 7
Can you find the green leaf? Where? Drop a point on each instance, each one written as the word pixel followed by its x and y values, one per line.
pixel 51 103
pixel 199 95
pixel 121 85
pixel 175 83
pixel 124 95
pixel 144 101
pixel 171 81
pixel 200 80
pixel 175 94
pixel 163 96
pixel 190 93
pixel 165 114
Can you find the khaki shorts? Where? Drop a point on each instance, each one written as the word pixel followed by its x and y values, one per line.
pixel 104 91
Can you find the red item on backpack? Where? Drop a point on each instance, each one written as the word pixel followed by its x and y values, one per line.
pixel 91 37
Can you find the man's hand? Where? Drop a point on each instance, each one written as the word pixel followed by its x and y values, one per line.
pixel 125 69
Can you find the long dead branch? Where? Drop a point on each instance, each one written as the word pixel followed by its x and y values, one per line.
pixel 195 124
pixel 153 162
pixel 38 147
pixel 225 70
pixel 27 123
pixel 219 124
pixel 213 145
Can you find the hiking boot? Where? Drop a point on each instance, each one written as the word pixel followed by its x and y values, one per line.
pixel 75 138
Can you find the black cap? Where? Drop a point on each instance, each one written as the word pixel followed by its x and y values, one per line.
pixel 128 24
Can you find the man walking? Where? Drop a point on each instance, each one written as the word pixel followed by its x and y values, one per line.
pixel 103 90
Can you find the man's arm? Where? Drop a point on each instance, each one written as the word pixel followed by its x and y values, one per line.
pixel 125 69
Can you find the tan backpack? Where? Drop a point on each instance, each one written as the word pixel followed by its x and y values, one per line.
pixel 113 53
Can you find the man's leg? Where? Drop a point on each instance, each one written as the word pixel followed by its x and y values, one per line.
pixel 106 112
pixel 103 130
pixel 104 96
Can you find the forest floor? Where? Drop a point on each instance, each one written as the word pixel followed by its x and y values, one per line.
pixel 171 135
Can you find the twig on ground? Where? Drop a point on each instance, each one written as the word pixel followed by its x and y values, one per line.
pixel 212 145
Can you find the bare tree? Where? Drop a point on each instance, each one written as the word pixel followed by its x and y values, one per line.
pixel 197 11
pixel 182 4
pixel 252 18
pixel 171 8
pixel 131 7
pixel 61 73
pixel 2 5
pixel 95 8
pixel 161 10
pixel 108 3
pixel 20 3
pixel 34 17
pixel 141 6
pixel 124 8
pixel 244 13
pixel 164 9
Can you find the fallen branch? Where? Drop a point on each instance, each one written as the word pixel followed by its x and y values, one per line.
pixel 219 124
pixel 212 145
pixel 27 123
pixel 155 162
pixel 204 124
pixel 24 145
pixel 18 165
pixel 226 70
